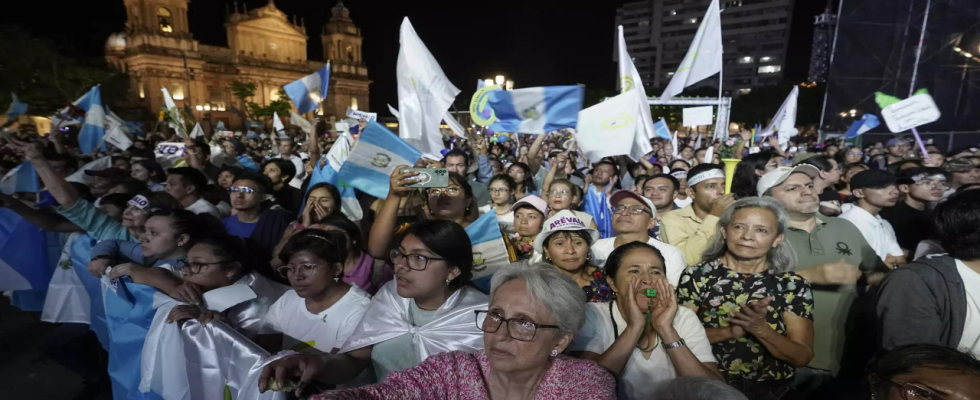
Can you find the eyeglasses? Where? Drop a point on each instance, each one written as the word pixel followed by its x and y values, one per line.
pixel 450 191
pixel 558 193
pixel 304 269
pixel 935 184
pixel 241 189
pixel 634 209
pixel 499 190
pixel 914 391
pixel 416 262
pixel 518 328
pixel 191 268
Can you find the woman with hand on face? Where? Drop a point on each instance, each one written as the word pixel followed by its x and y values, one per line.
pixel 744 290
pixel 427 310
pixel 642 339
pixel 565 243
pixel 322 200
pixel 501 190
pixel 321 311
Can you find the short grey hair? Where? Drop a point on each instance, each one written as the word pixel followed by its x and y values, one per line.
pixel 781 258
pixel 695 388
pixel 555 290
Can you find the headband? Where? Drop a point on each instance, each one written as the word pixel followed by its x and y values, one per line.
pixel 711 173
pixel 679 174
pixel 140 202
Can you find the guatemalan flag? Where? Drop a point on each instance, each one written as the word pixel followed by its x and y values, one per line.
pixel 663 132
pixel 859 127
pixel 375 155
pixel 330 173
pixel 24 263
pixel 94 127
pixel 23 178
pixel 536 110
pixel 307 92
pixel 489 250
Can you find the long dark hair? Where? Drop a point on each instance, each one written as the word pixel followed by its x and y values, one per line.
pixel 908 358
pixel 745 179
pixel 448 240
pixel 334 193
pixel 197 227
pixel 528 182
pixel 157 174
pixel 353 232
pixel 329 246
pixel 228 247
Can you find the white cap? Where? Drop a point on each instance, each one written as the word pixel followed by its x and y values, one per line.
pixel 777 176
pixel 564 220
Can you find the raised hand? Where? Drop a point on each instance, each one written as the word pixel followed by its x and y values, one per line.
pixel 752 318
pixel 664 306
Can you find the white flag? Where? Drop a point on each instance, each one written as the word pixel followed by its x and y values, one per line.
pixel 300 122
pixel 424 93
pixel 703 58
pixel 629 78
pixel 277 125
pixel 709 154
pixel 169 101
pixel 197 132
pixel 97 165
pixel 454 125
pixel 784 122
pixel 115 136
pixel 610 129
pixel 673 145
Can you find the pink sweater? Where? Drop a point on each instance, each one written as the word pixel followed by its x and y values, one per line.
pixel 459 375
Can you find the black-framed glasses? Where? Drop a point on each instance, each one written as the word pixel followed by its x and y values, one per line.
pixel 449 191
pixel 518 328
pixel 415 262
pixel 499 190
pixel 306 269
pixel 192 268
pixel 242 189
pixel 635 209
pixel 914 391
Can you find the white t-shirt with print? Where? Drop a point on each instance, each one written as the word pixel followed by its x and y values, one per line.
pixel 324 331
pixel 970 341
pixel 640 375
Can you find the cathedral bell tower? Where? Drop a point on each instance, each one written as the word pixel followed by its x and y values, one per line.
pixel 348 74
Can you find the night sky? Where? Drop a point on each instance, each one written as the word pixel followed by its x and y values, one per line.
pixel 535 43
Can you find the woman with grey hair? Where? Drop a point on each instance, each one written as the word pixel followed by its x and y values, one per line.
pixel 756 312
pixel 533 314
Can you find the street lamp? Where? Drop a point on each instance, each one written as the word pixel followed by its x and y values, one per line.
pixel 488 82
pixel 499 79
pixel 199 107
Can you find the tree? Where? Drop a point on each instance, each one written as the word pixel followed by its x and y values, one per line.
pixel 243 91
pixel 280 106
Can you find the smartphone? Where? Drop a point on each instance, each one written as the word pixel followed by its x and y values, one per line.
pixel 429 177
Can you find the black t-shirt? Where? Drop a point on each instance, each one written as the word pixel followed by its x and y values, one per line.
pixel 289 198
pixel 911 225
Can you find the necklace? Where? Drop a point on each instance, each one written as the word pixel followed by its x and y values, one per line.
pixel 646 330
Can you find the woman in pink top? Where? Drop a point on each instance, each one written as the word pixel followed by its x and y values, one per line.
pixel 360 269
pixel 533 314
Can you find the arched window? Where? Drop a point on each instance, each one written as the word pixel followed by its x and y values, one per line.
pixel 163 18
pixel 350 53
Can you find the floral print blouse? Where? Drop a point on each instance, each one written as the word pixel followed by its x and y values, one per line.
pixel 598 290
pixel 716 292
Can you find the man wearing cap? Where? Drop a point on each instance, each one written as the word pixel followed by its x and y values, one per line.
pixel 831 254
pixel 662 190
pixel 875 190
pixel 896 149
pixel 691 228
pixel 186 184
pixel 961 172
pixel 922 188
pixel 633 217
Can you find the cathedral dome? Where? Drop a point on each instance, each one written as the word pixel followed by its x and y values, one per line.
pixel 116 42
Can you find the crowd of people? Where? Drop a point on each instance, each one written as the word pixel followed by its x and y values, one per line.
pixel 814 271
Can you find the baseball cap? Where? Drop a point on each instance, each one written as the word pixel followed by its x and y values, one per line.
pixel 777 176
pixel 893 141
pixel 872 178
pixel 619 195
pixel 112 174
pixel 564 220
pixel 533 201
pixel 959 165
pixel 910 176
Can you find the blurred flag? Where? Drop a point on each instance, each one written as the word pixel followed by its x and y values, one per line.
pixel 16 107
pixel 859 127
pixel 424 93
pixel 116 132
pixel 330 173
pixel 454 125
pixel 93 129
pixel 489 250
pixel 97 165
pixel 277 125
pixel 480 83
pixel 536 110
pixel 307 92
pixel 235 110
pixel 629 78
pixel 23 254
pixel 197 132
pixel 23 178
pixel 610 129
pixel 661 129
pixel 784 121
pixel 370 163
pixel 300 122
pixel 173 115
pixel 220 127
pixel 703 58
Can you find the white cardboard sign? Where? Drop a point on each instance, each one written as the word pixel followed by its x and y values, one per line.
pixel 367 116
pixel 695 116
pixel 909 113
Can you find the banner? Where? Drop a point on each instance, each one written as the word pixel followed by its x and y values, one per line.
pixel 367 116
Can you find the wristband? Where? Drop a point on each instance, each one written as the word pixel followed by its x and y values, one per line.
pixel 676 344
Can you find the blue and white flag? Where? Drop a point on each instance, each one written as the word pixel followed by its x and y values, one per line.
pixel 16 107
pixel 90 137
pixel 23 178
pixel 489 250
pixel 24 263
pixel 330 173
pixel 660 127
pixel 480 83
pixel 536 110
pixel 307 92
pixel 129 312
pixel 375 155
pixel 859 127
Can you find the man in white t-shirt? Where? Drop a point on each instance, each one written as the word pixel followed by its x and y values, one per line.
pixel 287 150
pixel 186 185
pixel 936 299
pixel 876 190
pixel 633 217
pixel 325 331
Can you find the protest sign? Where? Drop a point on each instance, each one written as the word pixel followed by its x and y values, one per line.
pixel 357 114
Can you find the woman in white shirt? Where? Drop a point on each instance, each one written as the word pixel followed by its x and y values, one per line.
pixel 321 311
pixel 502 188
pixel 642 350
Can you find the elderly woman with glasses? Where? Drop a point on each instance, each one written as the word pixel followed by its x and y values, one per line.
pixel 533 314
pixel 757 313
pixel 427 310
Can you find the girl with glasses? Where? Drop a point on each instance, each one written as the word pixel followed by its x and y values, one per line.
pixel 562 194
pixel 501 190
pixel 320 311
pixel 428 309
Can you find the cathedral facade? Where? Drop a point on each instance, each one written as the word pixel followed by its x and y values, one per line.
pixel 265 47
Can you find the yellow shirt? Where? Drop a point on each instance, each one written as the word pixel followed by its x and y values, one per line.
pixel 684 230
